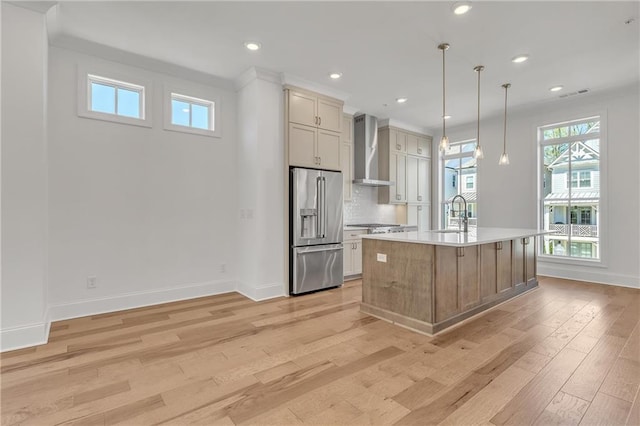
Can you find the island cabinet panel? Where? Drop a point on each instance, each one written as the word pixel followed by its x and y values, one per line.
pixel 517 257
pixel 530 259
pixel 468 276
pixel 446 283
pixel 402 283
pixel 504 273
pixel 489 270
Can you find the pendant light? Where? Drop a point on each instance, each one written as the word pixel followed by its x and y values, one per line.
pixel 478 152
pixel 444 142
pixel 504 158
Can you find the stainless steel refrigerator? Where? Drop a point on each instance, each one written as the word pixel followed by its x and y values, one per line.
pixel 315 230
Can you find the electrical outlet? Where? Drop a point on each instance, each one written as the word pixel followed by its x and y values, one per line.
pixel 381 257
pixel 223 268
pixel 92 282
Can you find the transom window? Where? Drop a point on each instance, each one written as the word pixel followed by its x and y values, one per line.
pixel 570 200
pixel 192 112
pixel 108 96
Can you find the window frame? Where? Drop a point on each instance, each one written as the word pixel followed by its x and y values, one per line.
pixel 603 240
pixel 110 76
pixel 193 95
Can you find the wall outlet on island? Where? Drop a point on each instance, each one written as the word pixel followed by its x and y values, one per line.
pixel 381 257
pixel 92 282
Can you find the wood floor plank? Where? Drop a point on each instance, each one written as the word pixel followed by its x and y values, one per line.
pixel 606 410
pixel 564 409
pixel 486 403
pixel 588 377
pixel 623 380
pixel 529 403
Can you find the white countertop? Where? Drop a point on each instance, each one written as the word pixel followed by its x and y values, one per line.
pixel 473 237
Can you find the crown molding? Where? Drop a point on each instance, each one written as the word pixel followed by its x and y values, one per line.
pixel 293 80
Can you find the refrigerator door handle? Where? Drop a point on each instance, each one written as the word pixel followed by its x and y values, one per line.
pixel 324 207
pixel 319 202
pixel 319 250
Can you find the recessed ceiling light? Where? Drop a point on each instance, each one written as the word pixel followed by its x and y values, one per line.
pixel 401 100
pixel 252 45
pixel 335 75
pixel 461 8
pixel 446 117
pixel 519 58
pixel 556 88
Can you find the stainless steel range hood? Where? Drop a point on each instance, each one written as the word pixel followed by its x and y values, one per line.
pixel 365 152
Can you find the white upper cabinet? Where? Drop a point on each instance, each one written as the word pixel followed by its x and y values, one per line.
pixel 418 145
pixel 315 110
pixel 314 124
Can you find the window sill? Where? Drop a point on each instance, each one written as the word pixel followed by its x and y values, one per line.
pixel 572 261
pixel 115 118
pixel 193 131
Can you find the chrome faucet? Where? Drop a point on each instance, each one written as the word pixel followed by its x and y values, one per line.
pixel 464 216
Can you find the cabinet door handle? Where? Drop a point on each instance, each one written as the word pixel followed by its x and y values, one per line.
pixel 319 160
pixel 397 196
pixel 419 150
pixel 499 245
pixel 319 121
pixel 398 146
pixel 419 208
pixel 460 251
pixel 419 197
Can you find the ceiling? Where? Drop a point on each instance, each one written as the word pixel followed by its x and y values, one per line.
pixel 385 50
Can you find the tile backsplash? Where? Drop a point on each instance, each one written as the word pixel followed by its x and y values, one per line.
pixel 364 208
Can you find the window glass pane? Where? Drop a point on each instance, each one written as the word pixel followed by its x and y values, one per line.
pixel 179 112
pixel 469 147
pixel 200 116
pixel 128 103
pixel 103 98
pixel 453 149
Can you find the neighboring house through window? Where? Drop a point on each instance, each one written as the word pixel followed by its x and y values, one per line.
pixel 459 177
pixel 570 193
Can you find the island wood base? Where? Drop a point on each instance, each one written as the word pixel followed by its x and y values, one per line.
pixel 429 288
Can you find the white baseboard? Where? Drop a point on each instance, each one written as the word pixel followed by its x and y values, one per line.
pixel 24 336
pixel 137 299
pixel 589 275
pixel 261 293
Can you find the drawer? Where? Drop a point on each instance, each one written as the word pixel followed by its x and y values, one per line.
pixel 353 234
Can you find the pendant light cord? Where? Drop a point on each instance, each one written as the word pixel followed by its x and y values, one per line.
pixel 504 144
pixel 444 133
pixel 478 69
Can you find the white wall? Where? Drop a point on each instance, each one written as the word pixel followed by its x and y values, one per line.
pixel 508 195
pixel 24 189
pixel 261 186
pixel 149 212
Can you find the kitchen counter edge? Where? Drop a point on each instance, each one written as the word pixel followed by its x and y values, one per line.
pixel 472 238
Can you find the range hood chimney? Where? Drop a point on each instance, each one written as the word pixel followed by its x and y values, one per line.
pixel 365 152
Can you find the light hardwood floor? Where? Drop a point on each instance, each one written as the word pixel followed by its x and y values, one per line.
pixel 566 353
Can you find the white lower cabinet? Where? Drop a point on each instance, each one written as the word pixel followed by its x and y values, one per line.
pixel 420 216
pixel 352 252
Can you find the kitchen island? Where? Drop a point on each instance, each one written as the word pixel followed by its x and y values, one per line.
pixel 429 281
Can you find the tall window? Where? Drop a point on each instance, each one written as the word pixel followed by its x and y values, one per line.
pixel 570 193
pixel 459 177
